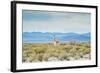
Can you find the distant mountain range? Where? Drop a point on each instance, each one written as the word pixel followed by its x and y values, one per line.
pixel 48 36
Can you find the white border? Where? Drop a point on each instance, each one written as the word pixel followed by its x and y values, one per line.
pixel 21 65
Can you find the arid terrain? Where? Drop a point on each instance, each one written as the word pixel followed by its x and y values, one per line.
pixel 65 51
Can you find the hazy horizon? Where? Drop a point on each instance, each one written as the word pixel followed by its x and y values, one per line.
pixel 56 32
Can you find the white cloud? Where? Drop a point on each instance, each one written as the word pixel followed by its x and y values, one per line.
pixel 60 22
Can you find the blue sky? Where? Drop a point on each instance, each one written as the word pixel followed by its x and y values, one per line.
pixel 51 21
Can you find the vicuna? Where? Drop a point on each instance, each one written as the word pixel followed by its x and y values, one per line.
pixel 56 42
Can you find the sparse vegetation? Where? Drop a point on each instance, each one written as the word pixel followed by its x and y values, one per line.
pixel 39 52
